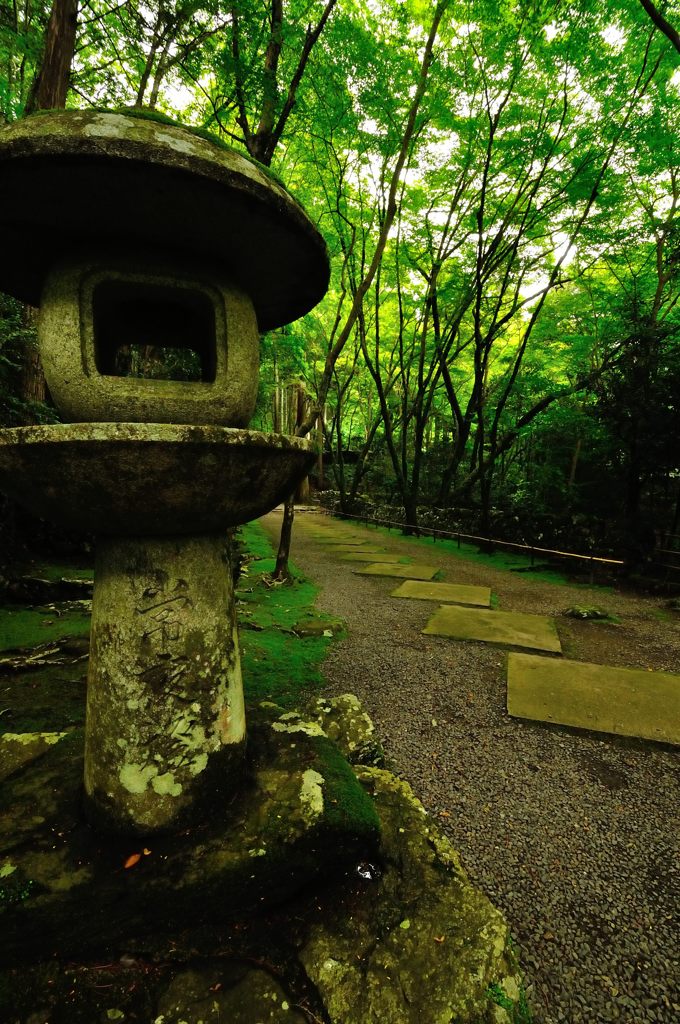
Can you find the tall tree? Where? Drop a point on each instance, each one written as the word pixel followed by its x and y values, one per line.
pixel 51 83
pixel 345 331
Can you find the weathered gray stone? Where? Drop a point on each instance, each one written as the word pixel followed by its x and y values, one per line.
pixel 371 557
pixel 371 931
pixel 301 817
pixel 165 719
pixel 587 612
pixel 416 571
pixel 93 306
pixel 444 593
pixel 134 479
pixel 512 629
pixel 166 722
pixel 132 181
pixel 341 719
pixel 418 946
pixel 343 543
pixel 344 721
pixel 624 701
pixel 315 626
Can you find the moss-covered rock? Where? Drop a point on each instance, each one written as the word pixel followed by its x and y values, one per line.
pixel 589 613
pixel 318 626
pixel 344 721
pixel 19 748
pixel 302 815
pixel 418 946
pixel 325 893
pixel 197 997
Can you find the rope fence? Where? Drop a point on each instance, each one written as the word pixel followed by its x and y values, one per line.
pixel 533 550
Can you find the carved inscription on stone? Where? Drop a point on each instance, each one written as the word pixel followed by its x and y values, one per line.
pixel 166 662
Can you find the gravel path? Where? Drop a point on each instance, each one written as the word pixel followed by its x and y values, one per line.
pixel 573 835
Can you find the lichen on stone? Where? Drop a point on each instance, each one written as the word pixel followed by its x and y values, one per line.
pixel 345 722
pixel 26 738
pixel 311 795
pixel 420 947
pixel 166 785
pixel 135 778
pixel 295 723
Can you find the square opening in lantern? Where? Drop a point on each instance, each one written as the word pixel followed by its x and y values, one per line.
pixel 154 332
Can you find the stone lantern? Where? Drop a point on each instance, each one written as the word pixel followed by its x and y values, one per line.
pixel 135 238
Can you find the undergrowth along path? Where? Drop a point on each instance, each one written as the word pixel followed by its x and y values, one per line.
pixel 277 665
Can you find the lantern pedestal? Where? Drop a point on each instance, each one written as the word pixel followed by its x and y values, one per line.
pixel 165 717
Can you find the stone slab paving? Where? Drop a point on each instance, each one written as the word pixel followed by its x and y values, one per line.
pixel 327 534
pixel 417 571
pixel 625 701
pixel 344 542
pixel 350 547
pixel 371 556
pixel 444 593
pixel 512 629
pixel 330 540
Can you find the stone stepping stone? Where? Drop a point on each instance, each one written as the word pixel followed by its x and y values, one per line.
pixel 370 556
pixel 417 571
pixel 624 701
pixel 350 545
pixel 329 542
pixel 511 629
pixel 454 593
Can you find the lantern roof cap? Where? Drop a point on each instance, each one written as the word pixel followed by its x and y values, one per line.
pixel 82 179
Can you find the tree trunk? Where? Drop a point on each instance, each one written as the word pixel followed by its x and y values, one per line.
pixel 319 461
pixel 302 492
pixel 485 497
pixel 33 386
pixel 410 514
pixel 574 465
pixel 51 82
pixel 281 571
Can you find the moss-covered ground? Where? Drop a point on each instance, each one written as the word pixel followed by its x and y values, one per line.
pixel 22 626
pixel 48 700
pixel 28 627
pixel 69 571
pixel 277 665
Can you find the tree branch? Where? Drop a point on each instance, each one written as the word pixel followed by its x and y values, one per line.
pixel 661 23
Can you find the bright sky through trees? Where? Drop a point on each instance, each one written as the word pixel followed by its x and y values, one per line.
pixel 501 213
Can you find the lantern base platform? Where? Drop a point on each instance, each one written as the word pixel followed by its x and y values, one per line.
pixel 301 815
